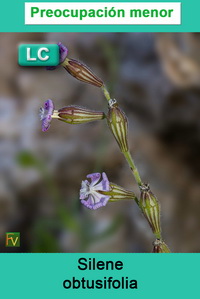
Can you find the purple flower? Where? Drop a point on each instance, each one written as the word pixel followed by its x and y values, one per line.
pixel 63 51
pixel 90 193
pixel 46 113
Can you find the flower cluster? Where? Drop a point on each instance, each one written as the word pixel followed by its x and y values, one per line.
pixel 96 191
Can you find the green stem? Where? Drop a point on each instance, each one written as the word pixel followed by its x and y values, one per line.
pixel 133 168
pixel 131 164
pixel 106 93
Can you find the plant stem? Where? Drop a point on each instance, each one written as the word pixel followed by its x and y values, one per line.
pixel 106 93
pixel 133 168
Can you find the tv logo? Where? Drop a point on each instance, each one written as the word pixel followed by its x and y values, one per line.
pixel 12 239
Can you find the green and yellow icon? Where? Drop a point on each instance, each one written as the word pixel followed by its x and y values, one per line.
pixel 13 239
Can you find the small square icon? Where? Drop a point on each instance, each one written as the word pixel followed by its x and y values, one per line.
pixel 13 239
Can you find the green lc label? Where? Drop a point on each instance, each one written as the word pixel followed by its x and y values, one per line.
pixel 38 55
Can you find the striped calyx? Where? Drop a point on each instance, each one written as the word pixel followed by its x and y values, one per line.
pixel 81 72
pixel 79 115
pixel 151 209
pixel 118 124
pixel 160 247
pixel 118 193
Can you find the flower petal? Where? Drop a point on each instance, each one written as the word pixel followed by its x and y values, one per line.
pixel 95 177
pixel 49 106
pixel 51 68
pixel 104 185
pixel 46 113
pixel 63 51
pixel 84 189
pixel 94 206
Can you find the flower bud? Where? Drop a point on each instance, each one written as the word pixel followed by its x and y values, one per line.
pixel 160 247
pixel 81 72
pixel 78 115
pixel 70 114
pixel 117 193
pixel 118 124
pixel 151 209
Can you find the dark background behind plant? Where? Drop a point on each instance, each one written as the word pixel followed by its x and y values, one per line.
pixel 156 79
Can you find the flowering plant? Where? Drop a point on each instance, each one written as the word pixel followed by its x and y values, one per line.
pixel 96 191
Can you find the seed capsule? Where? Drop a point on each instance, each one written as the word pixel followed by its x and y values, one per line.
pixel 118 124
pixel 151 209
pixel 81 72
pixel 79 115
pixel 118 193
